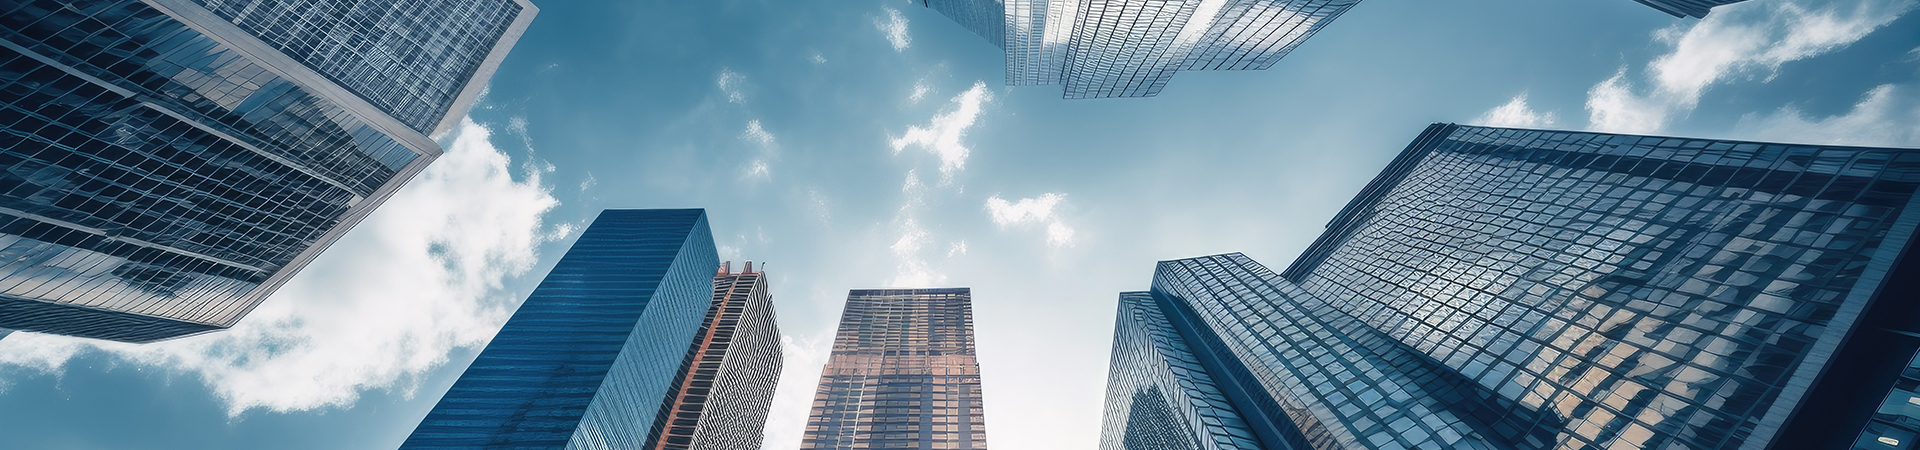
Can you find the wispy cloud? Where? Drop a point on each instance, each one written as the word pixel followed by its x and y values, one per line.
pixel 756 133
pixel 1515 113
pixel 920 91
pixel 589 183
pixel 1889 115
pixel 733 84
pixel 418 278
pixel 760 167
pixel 913 269
pixel 1753 38
pixel 895 27
pixel 1033 211
pixel 942 137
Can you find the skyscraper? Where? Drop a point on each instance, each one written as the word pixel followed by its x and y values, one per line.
pixel 1130 48
pixel 166 164
pixel 1525 289
pixel 631 342
pixel 1685 8
pixel 902 374
pixel 727 381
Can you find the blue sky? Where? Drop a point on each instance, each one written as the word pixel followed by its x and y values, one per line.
pixel 861 143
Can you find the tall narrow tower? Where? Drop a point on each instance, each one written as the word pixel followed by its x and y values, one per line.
pixel 726 383
pixel 902 374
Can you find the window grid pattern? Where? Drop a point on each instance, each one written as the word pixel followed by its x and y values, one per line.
pixel 987 18
pixel 588 359
pixel 727 381
pixel 1124 48
pixel 153 172
pixel 1159 396
pixel 902 374
pixel 410 58
pixel 1653 292
pixel 1896 421
pixel 1342 383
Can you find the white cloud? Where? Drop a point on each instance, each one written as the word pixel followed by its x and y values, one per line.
pixel 1888 115
pixel 760 166
pixel 819 58
pixel 1037 210
pixel 817 203
pixel 913 269
pixel 732 83
pixel 757 134
pixel 1516 113
pixel 418 278
pixel 589 183
pixel 942 136
pixel 895 27
pixel 920 91
pixel 1753 38
pixel 799 376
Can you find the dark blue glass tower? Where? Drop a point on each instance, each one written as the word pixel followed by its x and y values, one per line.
pixel 588 360
pixel 166 164
pixel 1502 288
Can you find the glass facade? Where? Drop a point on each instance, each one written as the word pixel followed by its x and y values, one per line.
pixel 1526 289
pixel 1686 8
pixel 1159 396
pixel 588 359
pixel 902 374
pixel 157 182
pixel 1122 48
pixel 410 58
pixel 727 381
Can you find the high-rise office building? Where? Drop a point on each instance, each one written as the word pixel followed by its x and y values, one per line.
pixel 631 342
pixel 902 374
pixel 166 164
pixel 1687 8
pixel 727 381
pixel 1130 48
pixel 1525 289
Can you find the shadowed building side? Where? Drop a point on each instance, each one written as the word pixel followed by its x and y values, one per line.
pixel 164 168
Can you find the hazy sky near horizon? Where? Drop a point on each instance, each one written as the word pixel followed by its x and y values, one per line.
pixel 867 143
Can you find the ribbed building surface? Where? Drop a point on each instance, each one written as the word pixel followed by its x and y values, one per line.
pixel 902 374
pixel 726 384
pixel 1159 396
pixel 1687 8
pixel 590 357
pixel 1132 48
pixel 164 168
pixel 1525 289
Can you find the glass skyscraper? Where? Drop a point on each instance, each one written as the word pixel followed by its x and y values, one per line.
pixel 1131 48
pixel 727 381
pixel 902 374
pixel 1525 289
pixel 599 346
pixel 166 164
pixel 1685 8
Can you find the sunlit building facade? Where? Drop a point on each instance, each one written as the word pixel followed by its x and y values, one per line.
pixel 1525 289
pixel 726 383
pixel 595 351
pixel 902 374
pixel 1128 48
pixel 166 164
